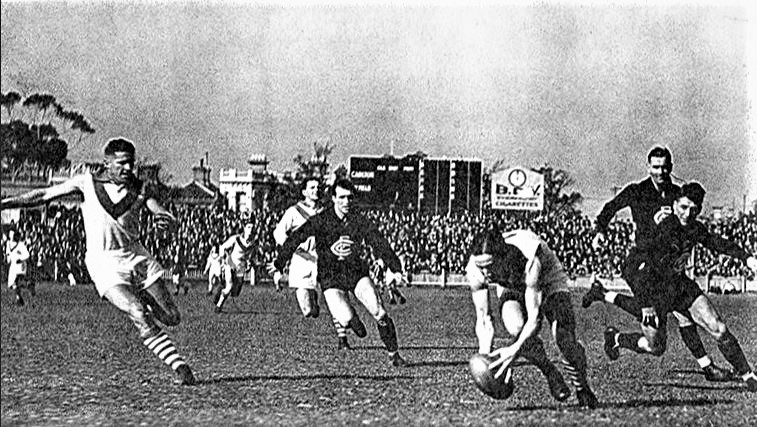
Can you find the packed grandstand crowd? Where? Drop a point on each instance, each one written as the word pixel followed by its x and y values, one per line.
pixel 425 243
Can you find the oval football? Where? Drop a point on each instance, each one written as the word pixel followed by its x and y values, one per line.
pixel 483 377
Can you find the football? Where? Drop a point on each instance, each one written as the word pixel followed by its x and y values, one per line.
pixel 483 377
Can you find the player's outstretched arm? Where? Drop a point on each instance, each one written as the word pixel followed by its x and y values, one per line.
pixel 40 196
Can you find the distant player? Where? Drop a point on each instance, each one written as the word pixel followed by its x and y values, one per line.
pixel 339 233
pixel 17 255
pixel 651 202
pixel 303 268
pixel 665 286
pixel 178 273
pixel 124 273
pixel 213 269
pixel 236 252
pixel 531 284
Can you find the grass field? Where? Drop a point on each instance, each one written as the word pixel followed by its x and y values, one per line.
pixel 70 358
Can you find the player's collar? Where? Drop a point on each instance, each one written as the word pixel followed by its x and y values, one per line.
pixel 115 209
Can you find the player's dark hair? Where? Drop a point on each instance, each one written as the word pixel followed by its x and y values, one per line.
pixel 513 262
pixel 304 183
pixel 488 242
pixel 694 192
pixel 342 183
pixel 658 151
pixel 118 145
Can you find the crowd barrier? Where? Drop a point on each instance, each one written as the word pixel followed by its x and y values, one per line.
pixel 735 284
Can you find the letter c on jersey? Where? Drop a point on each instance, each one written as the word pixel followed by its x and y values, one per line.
pixel 342 248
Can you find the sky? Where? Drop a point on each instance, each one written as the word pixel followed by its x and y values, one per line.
pixel 585 87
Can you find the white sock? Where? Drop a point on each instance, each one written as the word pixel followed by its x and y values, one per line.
pixel 748 375
pixel 610 297
pixel 704 361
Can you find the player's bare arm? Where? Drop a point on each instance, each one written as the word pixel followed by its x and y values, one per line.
pixel 533 297
pixel 39 196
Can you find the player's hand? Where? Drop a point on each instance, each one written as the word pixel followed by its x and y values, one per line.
pixel 649 317
pixel 503 358
pixel 751 262
pixel 164 220
pixel 599 241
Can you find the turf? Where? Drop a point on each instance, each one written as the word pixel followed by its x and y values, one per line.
pixel 70 358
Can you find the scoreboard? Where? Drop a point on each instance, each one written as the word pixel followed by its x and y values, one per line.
pixel 386 181
pixel 432 185
pixel 450 185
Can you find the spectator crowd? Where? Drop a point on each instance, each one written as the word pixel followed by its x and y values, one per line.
pixel 425 243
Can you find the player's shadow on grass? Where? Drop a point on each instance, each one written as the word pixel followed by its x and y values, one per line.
pixel 422 347
pixel 248 378
pixel 636 403
pixel 731 387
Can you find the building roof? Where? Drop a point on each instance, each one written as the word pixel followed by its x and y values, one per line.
pixel 197 190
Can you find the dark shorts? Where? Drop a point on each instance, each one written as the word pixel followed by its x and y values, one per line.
pixel 555 307
pixel 683 292
pixel 345 280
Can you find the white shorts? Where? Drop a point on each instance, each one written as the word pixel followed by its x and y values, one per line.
pixel 132 266
pixel 302 273
pixel 13 277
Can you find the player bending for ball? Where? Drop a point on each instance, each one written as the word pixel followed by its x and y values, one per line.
pixel 237 250
pixel 124 273
pixel 531 284
pixel 302 268
pixel 339 233
pixel 666 287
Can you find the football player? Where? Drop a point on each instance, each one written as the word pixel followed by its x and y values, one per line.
pixel 665 286
pixel 650 201
pixel 236 251
pixel 302 268
pixel 124 273
pixel 531 284
pixel 17 255
pixel 338 233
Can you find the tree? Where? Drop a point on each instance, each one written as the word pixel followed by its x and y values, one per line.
pixel 555 181
pixel 8 101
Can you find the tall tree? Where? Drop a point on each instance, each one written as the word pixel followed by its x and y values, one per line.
pixel 8 101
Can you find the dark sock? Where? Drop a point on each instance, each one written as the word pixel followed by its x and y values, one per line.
pixel 628 304
pixel 630 341
pixel 731 349
pixel 693 342
pixel 388 333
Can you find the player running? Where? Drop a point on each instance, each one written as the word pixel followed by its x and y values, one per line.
pixel 236 251
pixel 530 284
pixel 303 268
pixel 339 233
pixel 665 286
pixel 650 201
pixel 124 273
pixel 17 255
pixel 213 269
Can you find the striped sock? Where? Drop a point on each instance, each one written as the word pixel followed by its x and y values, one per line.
pixel 578 379
pixel 163 347
pixel 341 331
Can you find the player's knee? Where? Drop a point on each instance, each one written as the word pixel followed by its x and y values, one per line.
pixel 142 320
pixel 717 329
